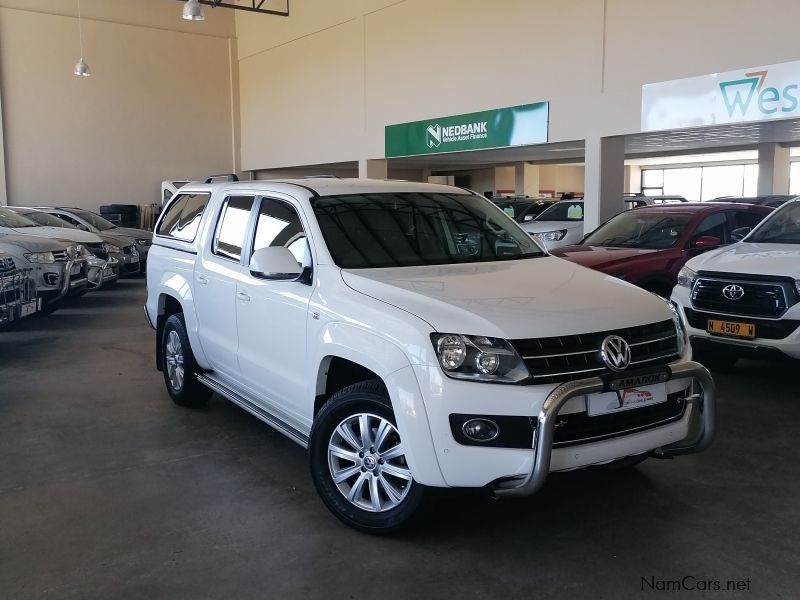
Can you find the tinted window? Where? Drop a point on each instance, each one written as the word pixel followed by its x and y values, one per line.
pixel 563 211
pixel 747 219
pixel 94 220
pixel 182 217
pixel 232 227
pixel 646 228
pixel 278 224
pixel 411 229
pixel 48 220
pixel 715 225
pixel 8 218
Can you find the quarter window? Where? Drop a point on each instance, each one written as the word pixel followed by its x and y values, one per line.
pixel 182 217
pixel 279 225
pixel 232 227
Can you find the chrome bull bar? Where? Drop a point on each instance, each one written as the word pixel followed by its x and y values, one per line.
pixel 545 423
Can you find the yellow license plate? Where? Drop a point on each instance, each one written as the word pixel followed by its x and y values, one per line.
pixel 732 328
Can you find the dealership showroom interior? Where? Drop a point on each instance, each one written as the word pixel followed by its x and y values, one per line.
pixel 399 298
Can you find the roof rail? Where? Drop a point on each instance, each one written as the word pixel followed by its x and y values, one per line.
pixel 321 177
pixel 228 176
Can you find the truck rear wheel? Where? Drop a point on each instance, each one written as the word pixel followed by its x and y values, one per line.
pixel 179 366
pixel 358 461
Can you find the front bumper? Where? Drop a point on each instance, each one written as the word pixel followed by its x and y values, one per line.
pixel 101 272
pixel 760 346
pixel 17 297
pixel 545 424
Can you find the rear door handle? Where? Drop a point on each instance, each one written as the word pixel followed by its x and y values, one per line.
pixel 202 279
pixel 243 296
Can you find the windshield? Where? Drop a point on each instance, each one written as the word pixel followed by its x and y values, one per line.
pixel 782 227
pixel 94 220
pixel 47 220
pixel 563 211
pixel 8 218
pixel 412 229
pixel 644 228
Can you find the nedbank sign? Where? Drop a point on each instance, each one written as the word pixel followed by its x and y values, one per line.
pixel 500 128
pixel 755 94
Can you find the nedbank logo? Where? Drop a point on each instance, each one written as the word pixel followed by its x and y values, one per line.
pixel 748 97
pixel 433 136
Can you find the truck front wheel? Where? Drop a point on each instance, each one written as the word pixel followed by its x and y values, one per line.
pixel 358 461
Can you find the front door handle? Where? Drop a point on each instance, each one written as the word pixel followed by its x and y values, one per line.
pixel 202 279
pixel 243 296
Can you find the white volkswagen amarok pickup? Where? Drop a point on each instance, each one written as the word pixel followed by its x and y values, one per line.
pixel 744 300
pixel 413 336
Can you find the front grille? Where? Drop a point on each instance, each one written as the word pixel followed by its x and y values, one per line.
pixel 762 297
pixel 765 329
pixel 7 266
pixel 580 428
pixel 60 255
pixel 565 358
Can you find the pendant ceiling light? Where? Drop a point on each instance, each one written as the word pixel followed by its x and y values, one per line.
pixel 192 11
pixel 81 68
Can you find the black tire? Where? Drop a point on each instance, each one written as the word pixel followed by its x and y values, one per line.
pixel 364 397
pixel 718 359
pixel 190 392
pixel 624 463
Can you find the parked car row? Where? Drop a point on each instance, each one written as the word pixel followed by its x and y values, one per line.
pixel 44 251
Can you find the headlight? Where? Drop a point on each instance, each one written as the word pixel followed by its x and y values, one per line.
pixel 144 242
pixel 680 331
pixel 46 258
pixel 83 251
pixel 551 236
pixel 686 277
pixel 478 358
pixel 111 249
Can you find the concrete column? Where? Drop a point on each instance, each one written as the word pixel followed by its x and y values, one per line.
pixel 373 169
pixel 3 188
pixel 526 179
pixel 604 179
pixel 519 179
pixel 773 169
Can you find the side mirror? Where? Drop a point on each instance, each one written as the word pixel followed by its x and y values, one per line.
pixel 707 242
pixel 737 235
pixel 276 263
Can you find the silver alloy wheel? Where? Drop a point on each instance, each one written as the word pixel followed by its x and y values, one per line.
pixel 173 356
pixel 367 462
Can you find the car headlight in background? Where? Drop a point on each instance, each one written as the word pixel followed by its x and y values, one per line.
pixel 111 248
pixel 680 330
pixel 478 358
pixel 797 285
pixel 144 242
pixel 83 251
pixel 686 277
pixel 45 258
pixel 551 236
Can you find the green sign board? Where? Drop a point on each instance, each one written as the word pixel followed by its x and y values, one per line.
pixel 499 128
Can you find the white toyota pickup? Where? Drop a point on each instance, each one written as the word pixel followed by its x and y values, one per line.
pixel 744 300
pixel 413 336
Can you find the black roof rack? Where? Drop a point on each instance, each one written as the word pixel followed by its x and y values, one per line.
pixel 228 176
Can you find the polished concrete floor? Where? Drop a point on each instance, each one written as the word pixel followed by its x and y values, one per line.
pixel 108 490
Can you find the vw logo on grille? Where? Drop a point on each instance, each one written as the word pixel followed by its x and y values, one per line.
pixel 733 292
pixel 616 353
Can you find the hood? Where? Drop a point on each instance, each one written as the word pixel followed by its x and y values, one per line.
pixel 131 232
pixel 599 257
pixel 537 297
pixel 748 258
pixel 30 243
pixel 540 226
pixel 60 233
pixel 117 240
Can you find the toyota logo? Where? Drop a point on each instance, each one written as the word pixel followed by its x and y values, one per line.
pixel 733 292
pixel 616 353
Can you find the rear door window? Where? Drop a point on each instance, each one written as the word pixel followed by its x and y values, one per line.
pixel 181 219
pixel 715 225
pixel 232 227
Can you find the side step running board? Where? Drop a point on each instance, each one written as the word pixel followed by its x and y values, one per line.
pixel 255 410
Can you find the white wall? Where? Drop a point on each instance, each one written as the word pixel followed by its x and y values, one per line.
pixel 347 69
pixel 157 106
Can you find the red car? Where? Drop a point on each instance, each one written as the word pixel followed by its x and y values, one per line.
pixel 648 246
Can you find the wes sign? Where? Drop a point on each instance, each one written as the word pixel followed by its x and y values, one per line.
pixel 755 94
pixel 499 128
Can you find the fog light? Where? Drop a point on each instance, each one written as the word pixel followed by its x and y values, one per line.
pixel 481 430
pixel 51 278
